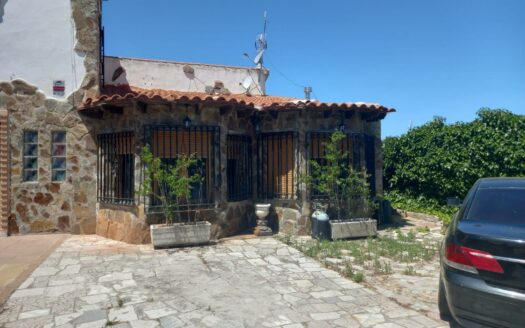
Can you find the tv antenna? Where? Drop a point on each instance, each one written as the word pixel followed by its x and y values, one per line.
pixel 261 44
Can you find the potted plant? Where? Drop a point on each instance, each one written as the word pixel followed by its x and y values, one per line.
pixel 174 186
pixel 345 192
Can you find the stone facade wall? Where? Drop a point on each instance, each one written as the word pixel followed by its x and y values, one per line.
pixel 127 224
pixel 293 216
pixel 44 205
pixel 87 15
pixel 227 218
pixel 72 205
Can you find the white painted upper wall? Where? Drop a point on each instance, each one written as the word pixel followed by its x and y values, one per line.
pixel 154 74
pixel 37 39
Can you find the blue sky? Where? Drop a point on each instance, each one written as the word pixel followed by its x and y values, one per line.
pixel 422 57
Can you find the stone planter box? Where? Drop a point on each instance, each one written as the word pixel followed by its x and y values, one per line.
pixel 353 229
pixel 180 234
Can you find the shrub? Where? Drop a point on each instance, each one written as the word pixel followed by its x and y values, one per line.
pixel 173 181
pixel 347 191
pixel 439 160
pixel 421 204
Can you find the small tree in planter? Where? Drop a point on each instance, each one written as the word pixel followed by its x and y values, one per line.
pixel 174 189
pixel 346 191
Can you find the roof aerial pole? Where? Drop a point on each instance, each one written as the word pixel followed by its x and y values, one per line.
pixel 261 44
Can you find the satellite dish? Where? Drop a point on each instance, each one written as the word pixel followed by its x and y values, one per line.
pixel 247 83
pixel 259 57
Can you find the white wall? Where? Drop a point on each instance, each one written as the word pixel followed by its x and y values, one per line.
pixel 37 41
pixel 153 74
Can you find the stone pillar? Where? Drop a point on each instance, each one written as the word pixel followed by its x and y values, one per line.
pixel 4 172
pixel 303 224
pixel 376 132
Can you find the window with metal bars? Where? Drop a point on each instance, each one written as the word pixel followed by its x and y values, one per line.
pixel 276 165
pixel 116 168
pixel 316 152
pixel 169 142
pixel 239 167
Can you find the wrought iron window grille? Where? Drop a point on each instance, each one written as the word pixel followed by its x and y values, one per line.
pixel 170 141
pixel 239 167
pixel 116 168
pixel 276 165
pixel 353 144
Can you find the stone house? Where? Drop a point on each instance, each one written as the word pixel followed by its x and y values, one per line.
pixel 71 140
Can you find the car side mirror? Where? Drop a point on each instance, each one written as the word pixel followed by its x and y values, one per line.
pixel 454 201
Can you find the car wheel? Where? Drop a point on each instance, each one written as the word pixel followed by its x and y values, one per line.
pixel 444 311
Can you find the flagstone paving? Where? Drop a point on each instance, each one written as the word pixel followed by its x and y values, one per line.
pixel 90 281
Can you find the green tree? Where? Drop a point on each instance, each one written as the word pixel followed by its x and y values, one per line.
pixel 347 191
pixel 173 182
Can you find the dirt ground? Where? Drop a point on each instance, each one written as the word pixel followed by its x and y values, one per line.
pixel 21 255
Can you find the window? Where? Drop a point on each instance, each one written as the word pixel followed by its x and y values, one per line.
pixel 116 168
pixel 498 205
pixel 168 142
pixel 30 156
pixel 316 151
pixel 239 169
pixel 275 165
pixel 58 156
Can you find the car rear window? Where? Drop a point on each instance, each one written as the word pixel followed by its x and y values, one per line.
pixel 498 205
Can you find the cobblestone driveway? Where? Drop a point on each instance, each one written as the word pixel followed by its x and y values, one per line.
pixel 94 282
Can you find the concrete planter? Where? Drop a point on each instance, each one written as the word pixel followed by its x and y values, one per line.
pixel 353 229
pixel 180 234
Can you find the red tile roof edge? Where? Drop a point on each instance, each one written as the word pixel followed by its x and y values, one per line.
pixel 116 93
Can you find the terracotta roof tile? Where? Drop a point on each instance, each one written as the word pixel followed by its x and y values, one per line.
pixel 112 94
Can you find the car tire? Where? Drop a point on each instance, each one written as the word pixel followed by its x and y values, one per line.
pixel 444 311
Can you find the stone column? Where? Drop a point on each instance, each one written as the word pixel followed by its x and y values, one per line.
pixel 375 129
pixel 303 224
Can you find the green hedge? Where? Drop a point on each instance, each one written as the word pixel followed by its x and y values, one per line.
pixel 439 160
pixel 421 204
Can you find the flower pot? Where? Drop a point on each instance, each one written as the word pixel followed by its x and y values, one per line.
pixel 180 234
pixel 262 228
pixel 342 229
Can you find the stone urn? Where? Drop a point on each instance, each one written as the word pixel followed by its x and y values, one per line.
pixel 262 228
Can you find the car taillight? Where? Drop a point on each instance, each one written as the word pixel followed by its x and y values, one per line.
pixel 468 259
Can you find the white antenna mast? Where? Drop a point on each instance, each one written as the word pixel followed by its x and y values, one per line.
pixel 261 45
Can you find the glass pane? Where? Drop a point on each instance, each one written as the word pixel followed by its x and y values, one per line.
pixel 59 137
pixel 30 175
pixel 30 137
pixel 30 150
pixel 59 150
pixel 59 175
pixel 30 163
pixel 59 163
pixel 499 206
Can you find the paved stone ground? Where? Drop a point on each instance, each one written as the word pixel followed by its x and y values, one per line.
pixel 90 281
